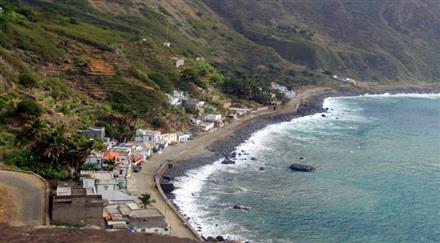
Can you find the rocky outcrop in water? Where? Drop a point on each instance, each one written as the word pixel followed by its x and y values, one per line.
pixel 302 167
pixel 228 161
pixel 244 208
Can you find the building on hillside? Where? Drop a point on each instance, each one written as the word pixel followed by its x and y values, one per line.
pixel 95 158
pixel 178 62
pixel 105 184
pixel 176 98
pixel 194 105
pixel 169 138
pixel 1 10
pixel 207 126
pixel 183 137
pixel 195 122
pixel 128 216
pixel 213 117
pixel 71 205
pixel 282 89
pixel 94 133
pixel 167 44
pixel 148 136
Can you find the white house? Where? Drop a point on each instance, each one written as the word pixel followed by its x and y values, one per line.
pixel 95 158
pixel 167 44
pixel 148 136
pixel 105 184
pixel 1 10
pixel 213 117
pixel 96 182
pixel 182 137
pixel 169 138
pixel 176 98
pixel 178 62
pixel 206 126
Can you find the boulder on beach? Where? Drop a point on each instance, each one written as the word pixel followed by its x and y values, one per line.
pixel 302 167
pixel 228 161
pixel 254 158
pixel 261 168
pixel 323 115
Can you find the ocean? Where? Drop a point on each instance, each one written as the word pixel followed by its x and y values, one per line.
pixel 377 177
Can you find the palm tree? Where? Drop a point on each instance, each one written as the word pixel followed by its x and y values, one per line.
pixel 146 199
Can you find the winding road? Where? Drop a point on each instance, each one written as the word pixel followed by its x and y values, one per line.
pixel 28 194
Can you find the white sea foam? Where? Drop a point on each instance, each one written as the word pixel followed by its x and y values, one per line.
pixel 405 95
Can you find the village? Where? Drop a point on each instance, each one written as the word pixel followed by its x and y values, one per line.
pixel 103 198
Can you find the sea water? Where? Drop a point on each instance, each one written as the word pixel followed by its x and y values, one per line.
pixel 377 177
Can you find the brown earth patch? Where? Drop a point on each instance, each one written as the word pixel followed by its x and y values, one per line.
pixel 55 235
pixel 5 205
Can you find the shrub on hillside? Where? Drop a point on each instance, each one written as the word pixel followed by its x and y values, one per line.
pixel 27 80
pixel 28 108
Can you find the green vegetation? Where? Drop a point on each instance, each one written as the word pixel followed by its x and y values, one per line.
pixel 66 65
pixel 145 199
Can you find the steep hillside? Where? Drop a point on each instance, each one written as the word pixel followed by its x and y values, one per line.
pixel 371 40
pixel 66 65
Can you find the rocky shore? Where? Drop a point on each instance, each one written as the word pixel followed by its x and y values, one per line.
pixel 225 147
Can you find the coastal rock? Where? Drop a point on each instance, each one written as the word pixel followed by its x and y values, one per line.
pixel 244 208
pixel 253 158
pixel 228 161
pixel 261 168
pixel 301 158
pixel 323 115
pixel 302 167
pixel 220 238
pixel 233 154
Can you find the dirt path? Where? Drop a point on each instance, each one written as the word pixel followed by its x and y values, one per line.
pixel 27 197
pixel 144 181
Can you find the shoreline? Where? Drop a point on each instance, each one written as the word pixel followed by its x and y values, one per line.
pixel 223 146
pixel 309 104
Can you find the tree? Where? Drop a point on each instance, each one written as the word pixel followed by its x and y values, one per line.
pixel 145 199
pixel 190 75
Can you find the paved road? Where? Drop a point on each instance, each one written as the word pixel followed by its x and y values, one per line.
pixel 28 196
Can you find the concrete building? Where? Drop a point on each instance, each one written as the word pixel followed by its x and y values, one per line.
pixel 131 217
pixel 95 158
pixel 213 117
pixel 170 138
pixel 178 62
pixel 148 136
pixel 194 105
pixel 73 206
pixel 95 133
pixel 183 137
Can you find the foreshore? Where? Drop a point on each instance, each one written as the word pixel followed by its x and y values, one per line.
pixel 210 147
